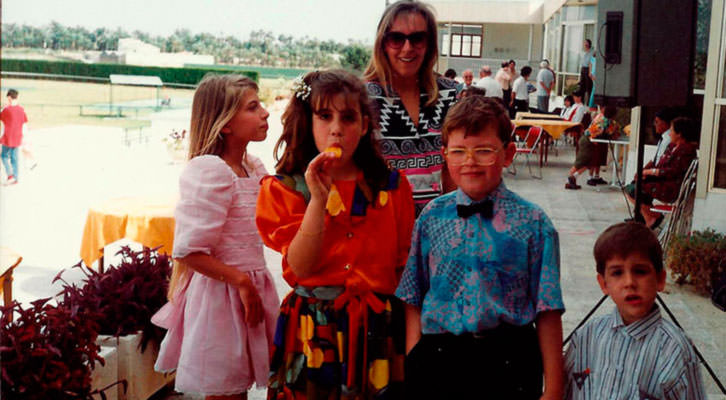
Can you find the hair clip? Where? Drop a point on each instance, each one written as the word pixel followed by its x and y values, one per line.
pixel 300 88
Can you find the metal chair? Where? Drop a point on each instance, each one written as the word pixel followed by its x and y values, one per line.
pixel 530 140
pixel 679 214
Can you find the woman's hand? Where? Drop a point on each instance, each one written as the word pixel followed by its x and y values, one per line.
pixel 251 302
pixel 317 177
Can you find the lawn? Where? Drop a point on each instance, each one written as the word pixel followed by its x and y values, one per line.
pixel 54 103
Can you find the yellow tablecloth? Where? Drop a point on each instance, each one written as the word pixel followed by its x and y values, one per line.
pixel 531 115
pixel 553 127
pixel 149 221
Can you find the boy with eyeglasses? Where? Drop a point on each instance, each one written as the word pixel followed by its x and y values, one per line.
pixel 481 285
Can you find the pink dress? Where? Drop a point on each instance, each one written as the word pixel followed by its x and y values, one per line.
pixel 208 343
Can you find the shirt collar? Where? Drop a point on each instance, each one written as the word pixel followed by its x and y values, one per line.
pixel 639 328
pixel 464 199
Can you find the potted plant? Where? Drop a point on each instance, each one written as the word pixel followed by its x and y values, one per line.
pixel 123 298
pixel 48 352
pixel 696 258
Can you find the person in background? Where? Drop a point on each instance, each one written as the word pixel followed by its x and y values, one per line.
pixel 520 94
pixel 411 99
pixel 662 125
pixel 504 78
pixel 14 128
pixel 545 83
pixel 468 76
pixel 490 85
pixel 585 59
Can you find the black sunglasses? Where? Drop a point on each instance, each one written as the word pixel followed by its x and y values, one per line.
pixel 398 39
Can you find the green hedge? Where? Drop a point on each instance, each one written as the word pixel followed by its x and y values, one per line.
pixel 265 72
pixel 190 76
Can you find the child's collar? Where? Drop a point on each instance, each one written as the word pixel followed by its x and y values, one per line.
pixel 464 199
pixel 639 328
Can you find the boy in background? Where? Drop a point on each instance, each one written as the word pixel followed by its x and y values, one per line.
pixel 482 283
pixel 13 119
pixel 631 353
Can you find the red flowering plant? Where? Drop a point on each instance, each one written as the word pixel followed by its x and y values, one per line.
pixel 125 296
pixel 48 352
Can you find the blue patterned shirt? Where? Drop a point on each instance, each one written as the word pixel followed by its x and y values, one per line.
pixel 469 275
pixel 649 359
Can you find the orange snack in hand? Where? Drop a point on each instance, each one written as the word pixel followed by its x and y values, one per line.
pixel 334 204
pixel 335 149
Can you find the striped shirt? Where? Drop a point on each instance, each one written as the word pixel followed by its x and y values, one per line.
pixel 649 359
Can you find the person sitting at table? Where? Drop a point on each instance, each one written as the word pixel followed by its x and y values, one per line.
pixel 604 126
pixel 577 113
pixel 662 180
pixel 568 109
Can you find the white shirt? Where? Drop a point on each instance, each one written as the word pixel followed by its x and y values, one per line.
pixel 544 77
pixel 649 359
pixel 520 89
pixel 491 87
pixel 665 140
pixel 577 112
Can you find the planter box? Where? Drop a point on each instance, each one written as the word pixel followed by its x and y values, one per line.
pixel 104 375
pixel 136 367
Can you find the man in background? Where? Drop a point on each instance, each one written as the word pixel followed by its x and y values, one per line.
pixel 490 85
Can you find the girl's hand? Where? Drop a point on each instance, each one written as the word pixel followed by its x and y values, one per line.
pixel 251 302
pixel 317 177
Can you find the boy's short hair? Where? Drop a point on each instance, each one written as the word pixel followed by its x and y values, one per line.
pixel 13 94
pixel 624 239
pixel 526 70
pixel 476 113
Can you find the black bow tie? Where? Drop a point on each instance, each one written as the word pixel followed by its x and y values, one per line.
pixel 485 209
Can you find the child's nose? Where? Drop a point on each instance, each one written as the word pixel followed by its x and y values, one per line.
pixel 335 128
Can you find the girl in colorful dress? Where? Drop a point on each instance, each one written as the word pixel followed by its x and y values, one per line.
pixel 223 304
pixel 342 221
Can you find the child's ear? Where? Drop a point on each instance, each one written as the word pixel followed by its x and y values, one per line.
pixel 661 280
pixel 602 283
pixel 509 151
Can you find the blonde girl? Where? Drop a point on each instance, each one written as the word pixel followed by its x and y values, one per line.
pixel 342 221
pixel 223 305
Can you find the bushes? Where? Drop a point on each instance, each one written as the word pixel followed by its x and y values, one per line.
pixel 697 258
pixel 190 76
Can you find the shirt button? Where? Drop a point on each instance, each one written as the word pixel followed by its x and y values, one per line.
pixel 349 235
pixel 347 267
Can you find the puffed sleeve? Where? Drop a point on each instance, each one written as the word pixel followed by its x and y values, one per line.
pixel 206 189
pixel 280 212
pixel 406 215
pixel 256 165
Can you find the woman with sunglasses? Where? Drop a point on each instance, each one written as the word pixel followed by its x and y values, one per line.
pixel 412 99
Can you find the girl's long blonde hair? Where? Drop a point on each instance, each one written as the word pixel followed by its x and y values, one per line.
pixel 216 101
pixel 379 68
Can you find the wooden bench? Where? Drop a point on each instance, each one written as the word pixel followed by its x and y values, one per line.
pixel 8 261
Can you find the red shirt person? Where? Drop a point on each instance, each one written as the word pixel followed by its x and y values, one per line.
pixel 13 119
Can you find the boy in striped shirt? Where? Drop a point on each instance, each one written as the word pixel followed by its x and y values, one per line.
pixel 631 353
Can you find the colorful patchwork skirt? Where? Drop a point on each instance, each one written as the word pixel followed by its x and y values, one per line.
pixel 332 345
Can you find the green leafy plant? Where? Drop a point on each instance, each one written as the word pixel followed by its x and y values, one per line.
pixel 48 352
pixel 124 297
pixel 696 258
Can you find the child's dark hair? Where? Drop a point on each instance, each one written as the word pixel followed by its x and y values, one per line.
pixel 624 239
pixel 685 127
pixel 476 113
pixel 297 142
pixel 13 94
pixel 526 70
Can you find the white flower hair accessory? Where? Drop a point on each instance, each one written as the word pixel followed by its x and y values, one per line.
pixel 300 88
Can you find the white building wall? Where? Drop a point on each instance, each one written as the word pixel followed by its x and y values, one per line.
pixel 710 212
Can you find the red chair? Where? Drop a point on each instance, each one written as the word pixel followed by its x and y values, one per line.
pixel 527 144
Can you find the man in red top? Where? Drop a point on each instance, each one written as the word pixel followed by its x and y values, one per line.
pixel 13 119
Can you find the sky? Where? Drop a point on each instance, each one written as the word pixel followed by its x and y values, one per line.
pixel 339 20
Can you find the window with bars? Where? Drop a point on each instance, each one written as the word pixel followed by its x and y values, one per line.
pixel 460 40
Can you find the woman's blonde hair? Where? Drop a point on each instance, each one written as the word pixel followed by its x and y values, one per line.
pixel 216 101
pixel 379 67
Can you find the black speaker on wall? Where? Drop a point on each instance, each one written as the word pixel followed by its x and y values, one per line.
pixel 645 51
